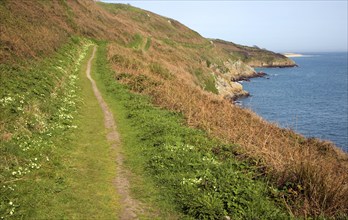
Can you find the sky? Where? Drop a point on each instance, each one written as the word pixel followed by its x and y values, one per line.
pixel 281 26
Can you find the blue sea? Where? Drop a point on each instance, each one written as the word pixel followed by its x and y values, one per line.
pixel 311 99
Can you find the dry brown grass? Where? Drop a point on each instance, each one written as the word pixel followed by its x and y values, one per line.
pixel 27 30
pixel 32 29
pixel 314 172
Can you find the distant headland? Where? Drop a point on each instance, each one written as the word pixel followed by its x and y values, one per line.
pixel 293 55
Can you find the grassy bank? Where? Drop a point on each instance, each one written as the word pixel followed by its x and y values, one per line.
pixel 182 168
pixel 89 166
pixel 49 166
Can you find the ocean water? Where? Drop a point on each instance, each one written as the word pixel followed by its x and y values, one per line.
pixel 311 99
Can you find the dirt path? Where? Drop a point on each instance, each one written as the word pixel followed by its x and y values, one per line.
pixel 130 207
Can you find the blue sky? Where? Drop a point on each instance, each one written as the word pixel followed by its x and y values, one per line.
pixel 282 26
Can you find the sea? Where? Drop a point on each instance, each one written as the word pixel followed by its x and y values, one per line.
pixel 311 99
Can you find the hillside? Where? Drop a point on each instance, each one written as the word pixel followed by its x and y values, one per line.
pixel 174 88
pixel 254 56
pixel 214 65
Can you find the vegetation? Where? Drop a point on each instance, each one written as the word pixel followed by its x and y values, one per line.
pixel 136 42
pixel 199 176
pixel 254 56
pixel 148 44
pixel 293 163
pixel 48 157
pixel 207 81
pixel 157 68
pixel 31 115
pixel 185 144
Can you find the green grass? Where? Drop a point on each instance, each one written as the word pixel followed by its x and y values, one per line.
pixel 137 42
pixel 142 187
pixel 148 44
pixel 178 169
pixel 38 101
pixel 49 167
pixel 206 80
pixel 57 164
pixel 88 165
pixel 158 69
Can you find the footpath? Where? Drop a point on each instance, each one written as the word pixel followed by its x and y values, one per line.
pixel 129 206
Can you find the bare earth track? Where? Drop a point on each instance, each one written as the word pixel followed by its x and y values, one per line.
pixel 130 206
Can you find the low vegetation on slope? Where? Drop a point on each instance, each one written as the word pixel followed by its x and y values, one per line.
pixel 48 157
pixel 180 71
pixel 292 162
pixel 199 176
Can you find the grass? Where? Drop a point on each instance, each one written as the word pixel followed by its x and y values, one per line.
pixel 148 44
pixel 207 80
pixel 159 70
pixel 180 170
pixel 292 162
pixel 142 186
pixel 37 106
pixel 137 42
pixel 89 165
pixel 49 168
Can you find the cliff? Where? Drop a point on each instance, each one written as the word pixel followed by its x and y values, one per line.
pixel 228 77
pixel 254 56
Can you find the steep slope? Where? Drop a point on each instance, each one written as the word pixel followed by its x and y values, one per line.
pixel 180 71
pixel 35 29
pixel 216 72
pixel 173 72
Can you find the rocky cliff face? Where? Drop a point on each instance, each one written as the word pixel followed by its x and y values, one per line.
pixel 238 70
pixel 239 66
pixel 229 89
pixel 285 62
pixel 227 77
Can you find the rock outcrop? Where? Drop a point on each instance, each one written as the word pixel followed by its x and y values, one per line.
pixel 280 62
pixel 228 89
pixel 238 70
pixel 226 80
pixel 227 77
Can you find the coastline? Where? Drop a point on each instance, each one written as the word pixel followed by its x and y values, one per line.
pixel 293 55
pixel 257 74
pixel 306 129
